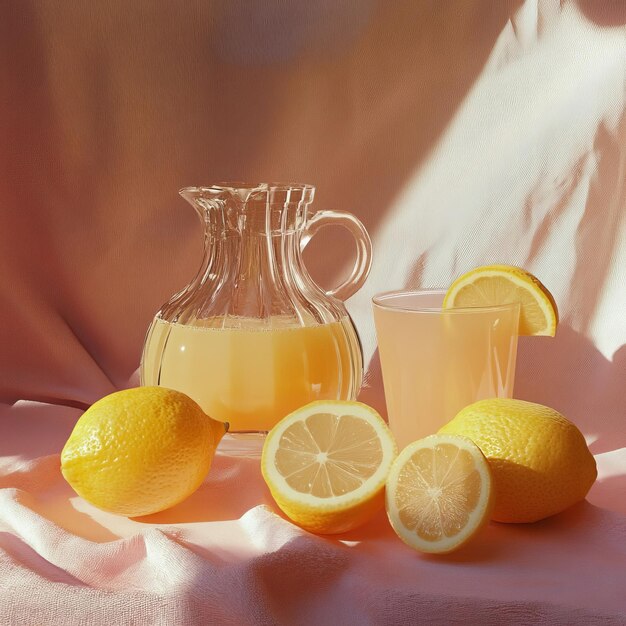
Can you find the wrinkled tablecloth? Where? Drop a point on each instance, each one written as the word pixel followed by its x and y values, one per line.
pixel 461 134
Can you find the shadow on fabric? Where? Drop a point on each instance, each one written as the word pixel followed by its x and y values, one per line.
pixel 121 105
pixel 561 372
pixel 605 13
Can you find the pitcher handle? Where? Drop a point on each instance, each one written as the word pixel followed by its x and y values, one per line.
pixel 363 261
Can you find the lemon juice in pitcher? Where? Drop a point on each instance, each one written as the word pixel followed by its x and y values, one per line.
pixel 253 337
pixel 251 376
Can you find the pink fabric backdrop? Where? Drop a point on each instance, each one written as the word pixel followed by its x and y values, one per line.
pixel 461 133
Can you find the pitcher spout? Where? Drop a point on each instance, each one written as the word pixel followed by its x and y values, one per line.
pixel 260 208
pixel 242 193
pixel 230 191
pixel 203 199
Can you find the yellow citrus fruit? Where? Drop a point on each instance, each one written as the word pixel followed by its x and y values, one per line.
pixel 326 464
pixel 492 285
pixel 139 451
pixel 439 493
pixel 539 460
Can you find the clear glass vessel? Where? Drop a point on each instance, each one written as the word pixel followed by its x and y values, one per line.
pixel 253 337
pixel 436 361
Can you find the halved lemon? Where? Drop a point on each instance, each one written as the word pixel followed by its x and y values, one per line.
pixel 439 493
pixel 326 464
pixel 491 285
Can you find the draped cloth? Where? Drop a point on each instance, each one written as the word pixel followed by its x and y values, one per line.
pixel 460 133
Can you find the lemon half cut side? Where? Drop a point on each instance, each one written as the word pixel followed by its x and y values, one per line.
pixel 326 464
pixel 439 493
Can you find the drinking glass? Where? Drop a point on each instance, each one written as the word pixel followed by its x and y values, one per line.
pixel 436 361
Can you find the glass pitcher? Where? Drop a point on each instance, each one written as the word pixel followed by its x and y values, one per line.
pixel 253 337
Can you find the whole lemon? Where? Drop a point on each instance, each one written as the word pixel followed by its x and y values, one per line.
pixel 139 451
pixel 539 460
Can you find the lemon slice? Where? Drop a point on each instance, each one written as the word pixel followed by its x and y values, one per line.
pixel 326 464
pixel 439 493
pixel 491 285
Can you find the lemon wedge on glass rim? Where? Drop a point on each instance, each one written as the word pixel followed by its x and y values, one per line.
pixel 491 285
pixel 326 464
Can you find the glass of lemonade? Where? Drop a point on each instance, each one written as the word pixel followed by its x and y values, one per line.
pixel 435 361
